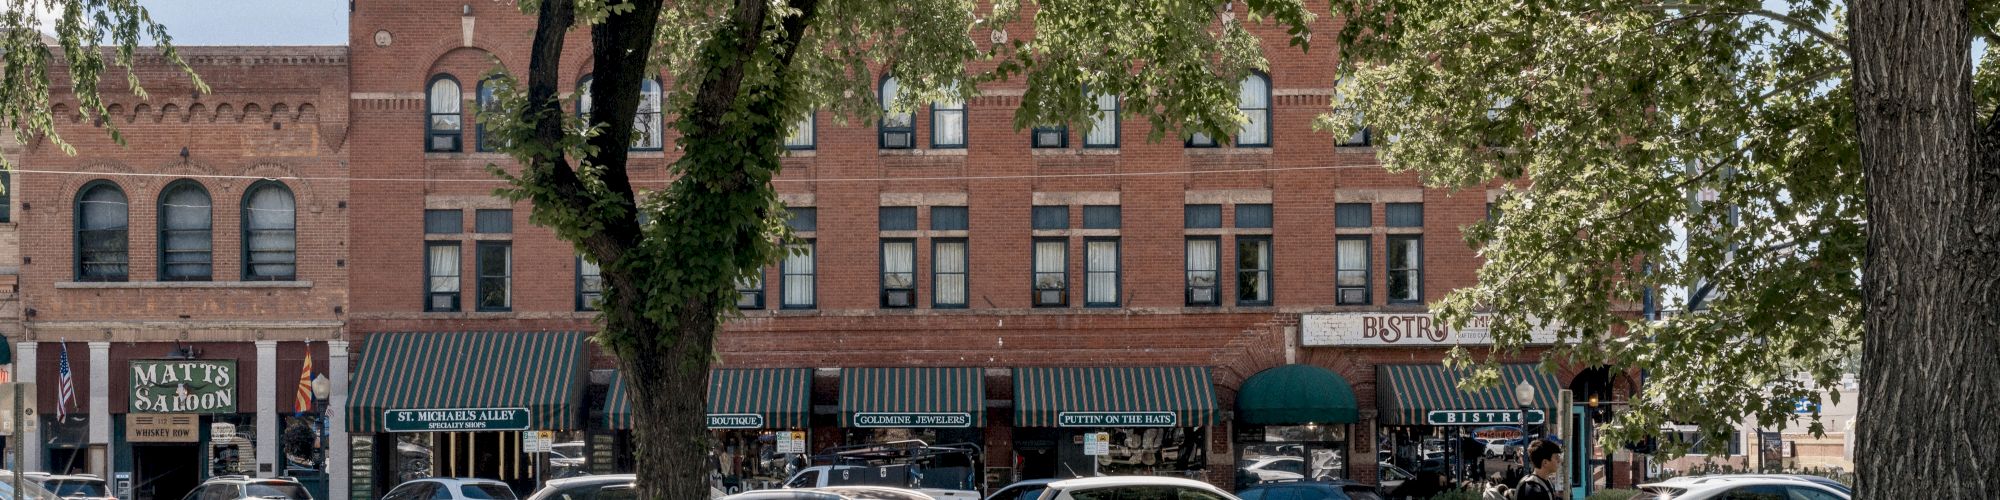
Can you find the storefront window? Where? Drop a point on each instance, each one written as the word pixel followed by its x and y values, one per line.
pixel 232 445
pixel 1290 452
pixel 745 460
pixel 1044 453
pixel 302 438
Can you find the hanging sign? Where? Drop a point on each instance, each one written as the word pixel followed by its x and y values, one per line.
pixel 1096 443
pixel 944 419
pixel 1392 330
pixel 1482 417
pixel 1115 419
pixel 183 386
pixel 735 421
pixel 475 419
pixel 162 428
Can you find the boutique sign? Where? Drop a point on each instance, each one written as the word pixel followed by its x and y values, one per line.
pixel 183 386
pixel 1395 330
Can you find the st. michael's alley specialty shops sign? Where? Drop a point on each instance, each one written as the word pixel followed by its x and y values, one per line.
pixel 183 386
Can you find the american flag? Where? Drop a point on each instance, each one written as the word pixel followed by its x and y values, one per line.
pixel 66 394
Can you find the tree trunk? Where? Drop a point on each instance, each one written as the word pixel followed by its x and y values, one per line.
pixel 669 388
pixel 1930 391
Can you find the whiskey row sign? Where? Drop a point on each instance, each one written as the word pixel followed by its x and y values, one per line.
pixel 1402 330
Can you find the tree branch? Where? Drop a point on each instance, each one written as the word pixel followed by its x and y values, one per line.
pixel 545 165
pixel 1795 23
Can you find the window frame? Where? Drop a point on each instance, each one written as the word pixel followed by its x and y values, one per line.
pixel 77 232
pixel 1187 210
pixel 1367 134
pixel 1062 137
pixel 482 98
pixel 756 294
pixel 160 221
pixel 1035 274
pixel 248 267
pixel 658 101
pixel 882 128
pixel 1188 286
pixel 6 196
pixel 1117 271
pixel 1117 125
pixel 811 134
pixel 964 125
pixel 583 84
pixel 785 272
pixel 458 275
pixel 583 304
pixel 882 271
pixel 1389 222
pixel 431 113
pixel 1416 281
pixel 1367 269
pixel 1265 79
pixel 480 249
pixel 1267 269
pixel 964 273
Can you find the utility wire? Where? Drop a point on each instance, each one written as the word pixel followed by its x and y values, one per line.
pixel 662 181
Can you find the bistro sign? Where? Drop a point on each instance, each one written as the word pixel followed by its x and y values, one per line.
pixel 1483 417
pixel 183 386
pixel 735 421
pixel 1393 330
pixel 472 419
pixel 1115 419
pixel 873 419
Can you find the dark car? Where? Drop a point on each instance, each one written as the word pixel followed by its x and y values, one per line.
pixel 1310 490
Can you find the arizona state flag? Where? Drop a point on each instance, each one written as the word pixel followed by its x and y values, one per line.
pixel 305 395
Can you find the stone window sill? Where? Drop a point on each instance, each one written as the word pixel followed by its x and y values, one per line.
pixel 120 285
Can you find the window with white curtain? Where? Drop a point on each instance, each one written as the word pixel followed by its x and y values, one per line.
pixel 1350 262
pixel 589 284
pixel 270 233
pixel 803 134
pixel 647 127
pixel 1253 270
pixel 948 121
pixel 798 276
pixel 1103 124
pixel 441 271
pixel 948 273
pixel 1253 99
pixel 1203 259
pixel 445 122
pixel 1406 271
pixel 102 246
pixel 898 128
pixel 899 274
pixel 583 96
pixel 1051 273
pixel 186 234
pixel 1100 272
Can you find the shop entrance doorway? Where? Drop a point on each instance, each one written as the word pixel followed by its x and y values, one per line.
pixel 165 471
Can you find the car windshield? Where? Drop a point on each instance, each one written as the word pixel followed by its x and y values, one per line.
pixel 75 487
pixel 275 490
pixel 34 492
pixel 486 492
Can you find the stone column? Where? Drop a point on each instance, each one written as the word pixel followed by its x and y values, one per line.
pixel 337 445
pixel 267 408
pixel 100 406
pixel 24 371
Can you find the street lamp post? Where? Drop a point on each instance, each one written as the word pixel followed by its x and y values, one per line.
pixel 1524 394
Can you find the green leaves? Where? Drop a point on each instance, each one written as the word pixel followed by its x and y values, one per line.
pixel 1637 152
pixel 83 29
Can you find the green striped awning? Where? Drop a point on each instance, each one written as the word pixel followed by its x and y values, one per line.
pixel 1408 393
pixel 510 379
pixel 912 397
pixel 760 398
pixel 1178 396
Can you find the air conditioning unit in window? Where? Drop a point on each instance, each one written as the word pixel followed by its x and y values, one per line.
pixel 898 139
pixel 445 142
pixel 1048 297
pixel 749 300
pixel 444 302
pixel 1353 296
pixel 1050 138
pixel 1201 295
pixel 899 298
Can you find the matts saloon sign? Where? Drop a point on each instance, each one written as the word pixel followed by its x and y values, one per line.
pixel 183 386
pixel 1402 330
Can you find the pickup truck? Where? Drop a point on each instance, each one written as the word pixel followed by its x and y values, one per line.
pixel 946 472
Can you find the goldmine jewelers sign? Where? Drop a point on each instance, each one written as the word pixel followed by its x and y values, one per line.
pixel 1394 330
pixel 183 386
pixel 941 419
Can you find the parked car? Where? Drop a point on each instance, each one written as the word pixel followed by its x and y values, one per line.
pixel 237 487
pixel 834 493
pixel 1310 490
pixel 28 490
pixel 1391 476
pixel 1025 490
pixel 77 486
pixel 445 488
pixel 608 486
pixel 1133 487
pixel 1744 486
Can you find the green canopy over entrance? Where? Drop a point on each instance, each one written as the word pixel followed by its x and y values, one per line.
pixel 1297 394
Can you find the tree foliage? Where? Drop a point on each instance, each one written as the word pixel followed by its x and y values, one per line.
pixel 84 31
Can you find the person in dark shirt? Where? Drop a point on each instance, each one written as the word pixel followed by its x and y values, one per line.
pixel 1545 457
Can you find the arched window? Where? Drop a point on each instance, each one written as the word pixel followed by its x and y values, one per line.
pixel 101 243
pixel 187 251
pixel 898 129
pixel 583 96
pixel 489 102
pixel 948 121
pixel 445 123
pixel 1253 98
pixel 646 124
pixel 270 235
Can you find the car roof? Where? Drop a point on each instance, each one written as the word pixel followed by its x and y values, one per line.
pixel 876 492
pixel 1097 482
pixel 588 480
pixel 1736 480
pixel 1031 482
pixel 247 479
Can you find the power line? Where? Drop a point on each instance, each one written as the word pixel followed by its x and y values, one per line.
pixel 663 181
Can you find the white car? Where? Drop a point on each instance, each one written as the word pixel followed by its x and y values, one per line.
pixel 442 488
pixel 1123 487
pixel 1025 490
pixel 1745 486
pixel 822 477
pixel 834 493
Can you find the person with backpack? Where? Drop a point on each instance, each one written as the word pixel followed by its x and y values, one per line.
pixel 1544 459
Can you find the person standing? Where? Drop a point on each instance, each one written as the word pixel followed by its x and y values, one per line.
pixel 1545 458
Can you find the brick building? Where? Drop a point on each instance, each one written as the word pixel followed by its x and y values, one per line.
pixel 1253 300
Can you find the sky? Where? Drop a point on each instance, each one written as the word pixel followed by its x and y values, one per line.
pixel 258 22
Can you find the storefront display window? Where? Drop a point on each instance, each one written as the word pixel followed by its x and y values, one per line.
pixel 1042 453
pixel 232 445
pixel 302 438
pixel 745 460
pixel 1290 452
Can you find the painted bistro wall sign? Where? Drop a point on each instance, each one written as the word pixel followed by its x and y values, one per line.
pixel 1413 329
pixel 1115 419
pixel 1482 417
pixel 944 419
pixel 183 386
pixel 735 421
pixel 469 419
